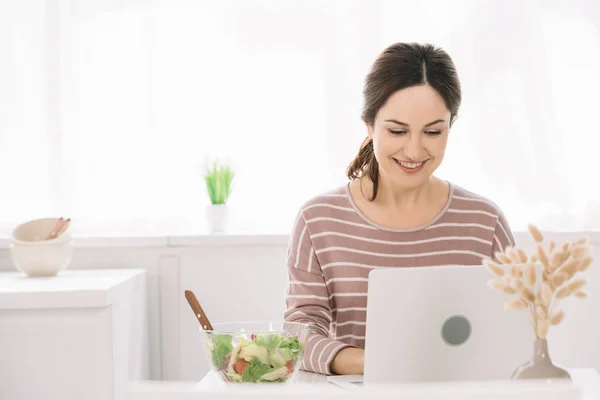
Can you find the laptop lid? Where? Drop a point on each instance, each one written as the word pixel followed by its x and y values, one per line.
pixel 440 324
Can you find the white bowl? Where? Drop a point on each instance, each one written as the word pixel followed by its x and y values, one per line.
pixel 37 257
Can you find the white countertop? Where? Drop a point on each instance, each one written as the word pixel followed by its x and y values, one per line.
pixel 212 382
pixel 585 386
pixel 69 289
pixel 586 379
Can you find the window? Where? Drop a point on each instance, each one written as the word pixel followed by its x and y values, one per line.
pixel 109 109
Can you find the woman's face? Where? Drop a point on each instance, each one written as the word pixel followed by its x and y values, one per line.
pixel 409 135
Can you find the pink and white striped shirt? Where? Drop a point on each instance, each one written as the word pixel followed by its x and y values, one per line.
pixel 333 246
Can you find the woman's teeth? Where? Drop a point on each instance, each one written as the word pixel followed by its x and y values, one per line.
pixel 410 165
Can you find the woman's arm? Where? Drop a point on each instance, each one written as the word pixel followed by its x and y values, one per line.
pixel 349 361
pixel 307 301
pixel 503 236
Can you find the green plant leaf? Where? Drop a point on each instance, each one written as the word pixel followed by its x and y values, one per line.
pixel 218 183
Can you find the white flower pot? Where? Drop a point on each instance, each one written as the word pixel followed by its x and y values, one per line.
pixel 217 216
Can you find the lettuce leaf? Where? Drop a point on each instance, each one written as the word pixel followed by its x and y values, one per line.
pixel 275 374
pixel 292 344
pixel 270 341
pixel 254 350
pixel 222 348
pixel 255 370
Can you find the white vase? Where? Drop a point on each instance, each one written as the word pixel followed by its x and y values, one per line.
pixel 217 216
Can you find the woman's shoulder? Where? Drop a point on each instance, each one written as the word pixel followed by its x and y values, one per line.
pixel 331 201
pixel 463 199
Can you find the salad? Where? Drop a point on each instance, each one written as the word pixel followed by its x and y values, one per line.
pixel 264 358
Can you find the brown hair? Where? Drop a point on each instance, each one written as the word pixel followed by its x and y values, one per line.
pixel 398 67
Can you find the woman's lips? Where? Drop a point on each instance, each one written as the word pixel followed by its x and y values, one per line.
pixel 410 167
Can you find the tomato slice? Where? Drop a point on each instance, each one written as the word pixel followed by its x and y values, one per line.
pixel 240 365
pixel 290 366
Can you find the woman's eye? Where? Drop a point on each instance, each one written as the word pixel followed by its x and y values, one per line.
pixel 394 132
pixel 433 132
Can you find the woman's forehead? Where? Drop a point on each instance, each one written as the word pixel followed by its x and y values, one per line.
pixel 418 105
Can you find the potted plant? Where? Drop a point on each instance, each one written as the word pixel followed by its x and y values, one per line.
pixel 218 180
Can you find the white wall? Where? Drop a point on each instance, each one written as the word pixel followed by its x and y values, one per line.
pixel 244 277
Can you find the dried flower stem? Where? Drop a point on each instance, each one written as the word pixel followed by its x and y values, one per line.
pixel 540 293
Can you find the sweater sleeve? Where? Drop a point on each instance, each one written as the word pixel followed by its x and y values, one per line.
pixel 503 236
pixel 307 301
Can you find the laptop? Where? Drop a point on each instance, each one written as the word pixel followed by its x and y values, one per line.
pixel 427 324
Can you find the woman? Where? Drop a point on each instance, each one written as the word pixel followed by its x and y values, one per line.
pixel 393 213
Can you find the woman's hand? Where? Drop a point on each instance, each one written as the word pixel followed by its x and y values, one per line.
pixel 349 361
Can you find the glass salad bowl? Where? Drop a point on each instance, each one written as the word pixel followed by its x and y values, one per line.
pixel 255 352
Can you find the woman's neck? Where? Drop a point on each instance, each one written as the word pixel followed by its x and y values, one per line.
pixel 405 198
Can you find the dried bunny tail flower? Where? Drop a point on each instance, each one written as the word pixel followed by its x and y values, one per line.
pixel 558 279
pixel 571 268
pixel 530 274
pixel 515 304
pixel 581 240
pixel 571 288
pixel 566 246
pixel 513 255
pixel 551 246
pixel 494 268
pixel 582 294
pixel 517 284
pixel 576 285
pixel 502 258
pixel 501 286
pixel 580 251
pixel 535 233
pixel 584 264
pixel 557 317
pixel 516 271
pixel 557 257
pixel 522 256
pixel 540 312
pixel 528 295
pixel 543 325
pixel 538 297
pixel 510 253
pixel 544 276
pixel 545 293
pixel 542 256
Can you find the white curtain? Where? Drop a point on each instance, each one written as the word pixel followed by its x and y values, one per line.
pixel 110 108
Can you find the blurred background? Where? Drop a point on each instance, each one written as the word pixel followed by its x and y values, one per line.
pixel 109 109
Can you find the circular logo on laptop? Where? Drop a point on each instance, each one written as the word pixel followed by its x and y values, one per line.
pixel 456 330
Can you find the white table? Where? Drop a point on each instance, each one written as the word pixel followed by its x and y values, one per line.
pixel 79 335
pixel 211 382
pixel 585 386
pixel 587 380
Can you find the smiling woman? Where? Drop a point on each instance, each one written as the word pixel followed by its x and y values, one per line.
pixel 393 213
pixel 408 128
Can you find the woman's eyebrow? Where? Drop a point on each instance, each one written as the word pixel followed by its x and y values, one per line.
pixel 407 125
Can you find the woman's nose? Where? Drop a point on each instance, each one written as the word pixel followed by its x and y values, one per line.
pixel 414 148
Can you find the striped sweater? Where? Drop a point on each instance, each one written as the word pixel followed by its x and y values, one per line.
pixel 333 246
